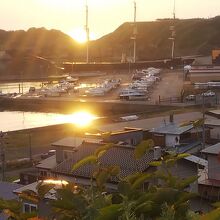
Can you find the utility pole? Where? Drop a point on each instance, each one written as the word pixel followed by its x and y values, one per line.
pixel 2 154
pixel 87 32
pixel 134 37
pixel 30 147
pixel 203 123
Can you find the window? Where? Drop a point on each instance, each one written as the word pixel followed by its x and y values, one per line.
pixel 28 208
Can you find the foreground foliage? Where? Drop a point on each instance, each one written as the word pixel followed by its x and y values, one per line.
pixel 141 196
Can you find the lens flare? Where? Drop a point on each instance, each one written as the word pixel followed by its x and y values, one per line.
pixel 82 119
pixel 56 182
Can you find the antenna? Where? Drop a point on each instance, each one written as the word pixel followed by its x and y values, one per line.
pixel 135 31
pixel 87 32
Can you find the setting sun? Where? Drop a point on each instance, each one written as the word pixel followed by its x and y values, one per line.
pixel 79 34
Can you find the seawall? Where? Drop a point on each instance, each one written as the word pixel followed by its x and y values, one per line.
pixel 62 105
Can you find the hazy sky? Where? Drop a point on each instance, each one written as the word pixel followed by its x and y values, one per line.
pixel 105 15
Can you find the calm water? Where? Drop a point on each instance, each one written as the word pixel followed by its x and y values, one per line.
pixel 11 121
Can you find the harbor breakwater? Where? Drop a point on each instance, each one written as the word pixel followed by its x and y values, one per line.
pixel 64 105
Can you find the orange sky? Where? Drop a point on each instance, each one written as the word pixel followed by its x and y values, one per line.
pixel 105 15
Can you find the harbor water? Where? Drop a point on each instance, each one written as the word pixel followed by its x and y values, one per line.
pixel 15 120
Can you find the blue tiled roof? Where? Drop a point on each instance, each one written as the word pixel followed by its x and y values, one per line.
pixel 6 190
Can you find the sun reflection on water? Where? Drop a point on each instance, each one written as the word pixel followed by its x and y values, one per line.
pixel 80 119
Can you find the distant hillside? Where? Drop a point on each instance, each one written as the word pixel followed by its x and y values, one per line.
pixel 37 41
pixel 193 36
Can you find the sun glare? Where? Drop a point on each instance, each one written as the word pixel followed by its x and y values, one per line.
pixel 79 35
pixel 82 119
pixel 56 182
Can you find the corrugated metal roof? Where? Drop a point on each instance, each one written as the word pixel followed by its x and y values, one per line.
pixel 172 128
pixel 214 149
pixel 75 141
pixel 197 160
pixel 48 163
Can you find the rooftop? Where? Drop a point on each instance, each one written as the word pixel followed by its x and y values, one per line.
pixel 48 163
pixel 117 155
pixel 197 160
pixel 171 128
pixel 75 142
pixel 34 187
pixel 210 182
pixel 6 190
pixel 150 123
pixel 214 149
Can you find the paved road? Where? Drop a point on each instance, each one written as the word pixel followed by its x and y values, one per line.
pixel 151 122
pixel 171 85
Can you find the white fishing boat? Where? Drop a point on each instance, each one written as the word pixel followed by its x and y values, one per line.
pixel 132 95
pixel 95 92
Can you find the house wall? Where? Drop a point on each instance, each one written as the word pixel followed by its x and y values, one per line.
pixel 213 167
pixel 171 140
pixel 159 139
pixel 215 133
pixel 209 192
pixel 184 169
pixel 60 152
pixel 131 137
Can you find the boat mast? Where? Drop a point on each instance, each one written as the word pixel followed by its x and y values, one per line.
pixel 135 32
pixel 87 32
pixel 173 32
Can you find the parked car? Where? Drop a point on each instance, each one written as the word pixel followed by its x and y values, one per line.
pixel 208 93
pixel 190 97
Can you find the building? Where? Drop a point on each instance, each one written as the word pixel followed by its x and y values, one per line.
pixel 213 123
pixel 209 184
pixel 204 74
pixel 6 193
pixel 72 149
pixel 216 56
pixel 179 138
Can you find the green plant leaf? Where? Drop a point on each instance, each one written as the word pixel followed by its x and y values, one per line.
pixel 213 215
pixel 140 180
pixel 102 177
pixel 198 123
pixel 111 212
pixel 114 170
pixel 216 204
pixel 143 147
pixel 155 163
pixel 43 189
pixel 88 160
pixel 186 182
pixel 124 188
pixel 101 150
pixel 180 156
pixel 185 197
